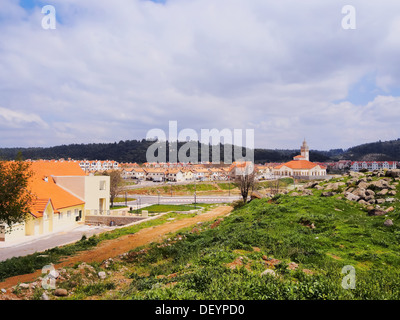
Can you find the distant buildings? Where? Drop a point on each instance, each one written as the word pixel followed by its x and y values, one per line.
pixel 373 165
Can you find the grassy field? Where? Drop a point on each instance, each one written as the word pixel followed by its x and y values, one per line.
pixel 157 208
pixel 201 188
pixel 305 242
pixel 263 231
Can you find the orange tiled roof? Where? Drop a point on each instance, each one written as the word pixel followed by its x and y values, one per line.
pixel 298 164
pixel 43 189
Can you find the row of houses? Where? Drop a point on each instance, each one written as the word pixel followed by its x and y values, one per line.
pixel 98 165
pixel 373 165
pixel 177 174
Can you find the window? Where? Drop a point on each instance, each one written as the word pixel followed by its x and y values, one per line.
pixel 76 212
pixel 102 185
pixel 69 214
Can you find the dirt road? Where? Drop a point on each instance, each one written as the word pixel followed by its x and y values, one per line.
pixel 115 247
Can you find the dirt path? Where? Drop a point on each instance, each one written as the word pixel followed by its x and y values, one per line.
pixel 115 247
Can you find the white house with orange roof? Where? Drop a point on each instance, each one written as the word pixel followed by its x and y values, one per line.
pixel 64 195
pixel 301 167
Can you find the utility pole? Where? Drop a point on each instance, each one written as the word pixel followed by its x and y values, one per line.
pixel 195 194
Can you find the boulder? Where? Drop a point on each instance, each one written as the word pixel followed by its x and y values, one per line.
pixel 102 275
pixel 369 192
pixel 388 223
pixel 268 272
pixel 376 212
pixel 351 197
pixel 392 193
pixel 60 292
pixel 383 192
pixel 327 194
pixel 393 173
pixel 363 185
pixel 390 200
pixel 363 202
pixel 380 184
pixel 310 184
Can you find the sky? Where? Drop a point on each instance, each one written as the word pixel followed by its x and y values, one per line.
pixel 114 70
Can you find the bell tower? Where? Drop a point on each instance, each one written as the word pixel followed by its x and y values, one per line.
pixel 305 151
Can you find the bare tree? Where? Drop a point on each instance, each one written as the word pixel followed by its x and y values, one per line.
pixel 115 184
pixel 246 181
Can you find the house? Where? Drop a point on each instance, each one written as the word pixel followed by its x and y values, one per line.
pixel 188 174
pixel 64 195
pixel 301 167
pixel 373 165
pixel 175 175
pixel 155 174
pixel 201 174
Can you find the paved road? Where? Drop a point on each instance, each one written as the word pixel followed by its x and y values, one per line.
pixel 42 243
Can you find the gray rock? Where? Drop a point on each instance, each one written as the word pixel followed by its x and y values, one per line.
pixel 351 197
pixel 388 223
pixel 383 192
pixel 376 212
pixel 102 275
pixel 268 272
pixel 390 200
pixel 44 296
pixel 24 285
pixel 60 292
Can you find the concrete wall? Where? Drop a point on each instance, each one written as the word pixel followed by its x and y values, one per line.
pixel 96 188
pixel 106 220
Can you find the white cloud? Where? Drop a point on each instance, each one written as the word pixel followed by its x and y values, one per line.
pixel 114 70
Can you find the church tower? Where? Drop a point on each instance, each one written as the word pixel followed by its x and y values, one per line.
pixel 305 151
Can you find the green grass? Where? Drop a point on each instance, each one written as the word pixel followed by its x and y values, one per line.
pixel 343 235
pixel 158 208
pixel 30 263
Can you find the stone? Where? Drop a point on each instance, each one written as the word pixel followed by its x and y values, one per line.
pixel 3 290
pixel 60 292
pixel 376 212
pixel 363 202
pixel 363 185
pixel 383 192
pixel 294 194
pixel 44 296
pixel 102 275
pixel 390 209
pixel 268 272
pixel 380 201
pixel 54 274
pixel 392 192
pixel 388 223
pixel 351 197
pixel 327 194
pixel 390 200
pixel 369 193
pixel 24 285
pixel 293 266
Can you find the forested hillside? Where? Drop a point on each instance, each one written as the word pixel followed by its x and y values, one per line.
pixel 135 151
